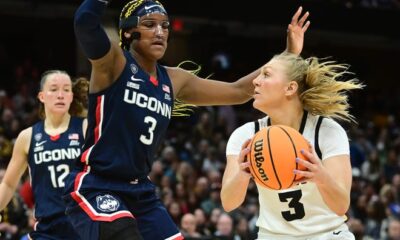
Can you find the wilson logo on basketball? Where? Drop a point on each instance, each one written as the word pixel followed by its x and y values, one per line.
pixel 273 153
pixel 258 156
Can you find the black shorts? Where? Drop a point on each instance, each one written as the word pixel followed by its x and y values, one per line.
pixel 94 205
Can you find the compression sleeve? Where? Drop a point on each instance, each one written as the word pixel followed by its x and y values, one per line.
pixel 90 34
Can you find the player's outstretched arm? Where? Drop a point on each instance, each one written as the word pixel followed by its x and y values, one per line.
pixel 205 92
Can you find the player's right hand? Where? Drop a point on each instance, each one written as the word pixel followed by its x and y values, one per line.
pixel 243 161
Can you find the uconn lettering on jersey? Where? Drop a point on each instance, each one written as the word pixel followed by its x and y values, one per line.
pixel 56 155
pixel 144 101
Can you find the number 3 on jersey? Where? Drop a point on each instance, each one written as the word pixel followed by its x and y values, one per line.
pixel 148 138
pixel 296 207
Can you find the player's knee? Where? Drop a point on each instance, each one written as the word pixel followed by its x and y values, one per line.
pixel 120 229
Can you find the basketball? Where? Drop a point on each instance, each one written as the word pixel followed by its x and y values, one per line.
pixel 272 156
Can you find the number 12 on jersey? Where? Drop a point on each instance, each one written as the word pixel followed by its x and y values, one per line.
pixel 58 174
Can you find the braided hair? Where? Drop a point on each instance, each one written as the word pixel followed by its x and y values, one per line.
pixel 130 15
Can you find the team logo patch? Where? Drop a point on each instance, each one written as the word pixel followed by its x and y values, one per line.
pixel 134 68
pixel 107 203
pixel 38 136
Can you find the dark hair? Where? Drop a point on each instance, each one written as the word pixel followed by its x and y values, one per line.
pixel 79 104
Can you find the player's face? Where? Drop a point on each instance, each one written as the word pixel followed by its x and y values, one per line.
pixel 56 94
pixel 154 30
pixel 270 86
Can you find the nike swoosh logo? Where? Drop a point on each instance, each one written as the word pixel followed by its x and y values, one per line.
pixel 151 6
pixel 337 233
pixel 136 79
pixel 40 143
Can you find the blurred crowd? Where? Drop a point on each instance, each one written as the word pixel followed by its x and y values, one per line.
pixel 375 4
pixel 189 167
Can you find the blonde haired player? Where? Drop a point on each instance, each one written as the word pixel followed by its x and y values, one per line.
pixel 305 95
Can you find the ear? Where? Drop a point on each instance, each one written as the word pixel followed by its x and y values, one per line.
pixel 127 35
pixel 292 88
pixel 40 96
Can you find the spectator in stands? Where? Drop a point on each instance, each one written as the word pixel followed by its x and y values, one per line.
pixel 394 229
pixel 225 228
pixel 189 227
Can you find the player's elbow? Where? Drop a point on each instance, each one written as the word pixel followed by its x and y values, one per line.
pixel 341 212
pixel 228 207
pixel 228 203
pixel 342 209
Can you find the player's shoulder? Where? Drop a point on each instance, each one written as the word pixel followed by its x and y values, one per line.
pixel 23 140
pixel 179 74
pixel 246 127
pixel 323 122
pixel 26 133
pixel 249 129
pixel 329 123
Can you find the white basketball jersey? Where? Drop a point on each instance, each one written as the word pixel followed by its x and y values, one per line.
pixel 299 210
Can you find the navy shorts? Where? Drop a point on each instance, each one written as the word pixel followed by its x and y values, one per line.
pixel 93 201
pixel 55 228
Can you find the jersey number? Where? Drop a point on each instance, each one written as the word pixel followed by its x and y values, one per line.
pixel 149 139
pixel 294 202
pixel 58 174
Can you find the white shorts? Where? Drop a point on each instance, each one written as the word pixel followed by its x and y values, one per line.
pixel 340 233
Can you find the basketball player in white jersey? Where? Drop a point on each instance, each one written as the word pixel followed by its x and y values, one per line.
pixel 305 95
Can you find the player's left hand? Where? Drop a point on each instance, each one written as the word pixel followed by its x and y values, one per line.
pixel 316 172
pixel 295 32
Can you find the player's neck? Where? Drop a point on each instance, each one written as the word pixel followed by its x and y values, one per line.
pixel 290 118
pixel 56 123
pixel 147 65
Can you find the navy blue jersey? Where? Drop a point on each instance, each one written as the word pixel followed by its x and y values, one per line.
pixel 126 123
pixel 50 159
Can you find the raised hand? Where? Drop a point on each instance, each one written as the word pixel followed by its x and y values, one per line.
pixel 295 32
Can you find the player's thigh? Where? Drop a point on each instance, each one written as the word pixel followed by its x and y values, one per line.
pixel 157 224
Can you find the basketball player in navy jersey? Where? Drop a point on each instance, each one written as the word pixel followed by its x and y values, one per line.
pixel 131 100
pixel 305 95
pixel 48 148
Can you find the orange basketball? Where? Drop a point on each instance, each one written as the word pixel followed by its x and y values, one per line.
pixel 273 156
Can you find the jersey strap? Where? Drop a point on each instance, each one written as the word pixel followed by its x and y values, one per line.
pixel 256 126
pixel 317 127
